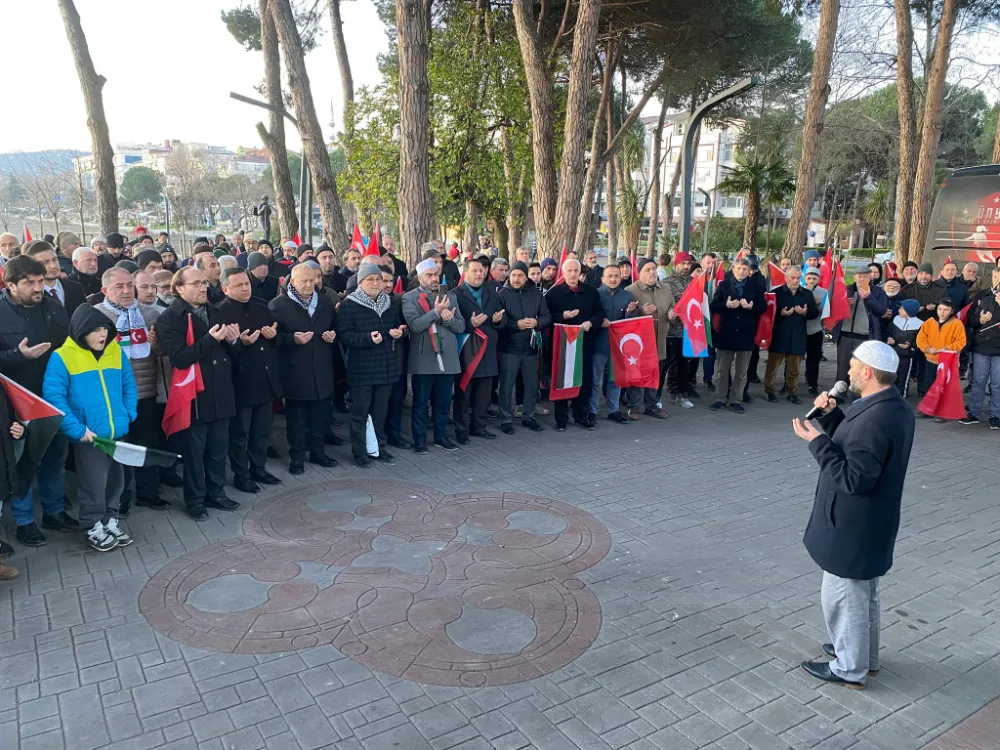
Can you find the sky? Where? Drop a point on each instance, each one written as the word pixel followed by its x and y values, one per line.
pixel 169 66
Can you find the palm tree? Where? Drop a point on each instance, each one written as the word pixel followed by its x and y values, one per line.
pixel 631 205
pixel 779 186
pixel 876 208
pixel 761 177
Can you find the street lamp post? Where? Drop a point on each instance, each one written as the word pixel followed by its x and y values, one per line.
pixel 708 216
pixel 305 189
pixel 687 152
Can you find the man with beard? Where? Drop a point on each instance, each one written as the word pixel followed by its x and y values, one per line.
pixel 863 456
pixel 32 325
pixel 547 278
pixel 681 370
pixel 499 269
pixel 352 261
pixel 256 379
pixel 307 323
pixel 795 306
pixel 114 249
pixel 593 273
pixel 328 265
pixel 67 291
pixel 525 316
pixel 206 442
pixel 168 259
pixel 85 270
pixel 164 297
pixel 909 276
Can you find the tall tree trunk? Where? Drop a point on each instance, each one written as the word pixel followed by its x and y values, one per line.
pixel 416 206
pixel 584 224
pixel 654 187
pixel 470 239
pixel 514 191
pixel 996 141
pixel 573 171
pixel 92 85
pixel 274 139
pixel 310 132
pixel 543 115
pixel 831 221
pixel 907 130
pixel 750 221
pixel 812 130
pixel 923 187
pixel 343 63
pixel 611 190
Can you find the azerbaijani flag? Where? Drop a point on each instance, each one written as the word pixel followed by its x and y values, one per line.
pixel 694 313
pixel 567 362
pixel 135 455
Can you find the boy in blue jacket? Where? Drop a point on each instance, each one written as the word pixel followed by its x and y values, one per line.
pixel 90 380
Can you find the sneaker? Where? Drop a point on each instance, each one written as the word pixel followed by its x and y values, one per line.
pixel 684 402
pixel 198 513
pixel 518 410
pixel 738 408
pixel 122 538
pixel 772 398
pixel 8 572
pixel 493 411
pixel 560 427
pixel 30 536
pixel 542 411
pixel 447 444
pixel 99 538
pixel 970 419
pixel 532 425
pixel 693 394
pixel 507 428
pixel 718 405
pixel 813 390
pixel 994 423
pixel 617 416
pixel 400 442
pixel 153 503
pixel 420 449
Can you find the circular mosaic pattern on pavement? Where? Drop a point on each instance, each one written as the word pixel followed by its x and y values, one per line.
pixel 468 589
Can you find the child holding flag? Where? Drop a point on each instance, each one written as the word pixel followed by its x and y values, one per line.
pixel 942 333
pixel 90 380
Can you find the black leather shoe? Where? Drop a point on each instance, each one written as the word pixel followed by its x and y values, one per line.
pixel 198 513
pixel 401 443
pixel 813 391
pixel 560 427
pixel 321 459
pixel 245 484
pixel 771 398
pixel 385 457
pixel 794 399
pixel 170 479
pixel 363 462
pixel 485 434
pixel 821 671
pixel 272 453
pixel 461 437
pixel 264 477
pixel 296 467
pixel 6 550
pixel 30 536
pixel 60 522
pixel 332 439
pixel 420 449
pixel 153 503
pixel 747 398
pixel 832 653
pixel 693 395
pixel 447 444
pixel 507 429
pixel 221 503
pixel 754 378
pixel 532 425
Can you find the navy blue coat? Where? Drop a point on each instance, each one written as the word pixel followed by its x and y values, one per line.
pixel 468 306
pixel 862 466
pixel 738 326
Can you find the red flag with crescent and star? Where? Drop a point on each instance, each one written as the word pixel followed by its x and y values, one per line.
pixel 765 324
pixel 944 397
pixel 374 243
pixel 356 242
pixel 634 360
pixel 185 385
pixel 692 308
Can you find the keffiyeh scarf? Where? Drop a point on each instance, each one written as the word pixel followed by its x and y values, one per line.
pixel 380 304
pixel 309 304
pixel 131 329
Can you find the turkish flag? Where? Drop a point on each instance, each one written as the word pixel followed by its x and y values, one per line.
pixel 634 361
pixel 963 314
pixel 692 308
pixel 356 242
pixel 398 289
pixel 944 399
pixel 765 325
pixel 374 242
pixel 185 385
pixel 775 275
pixel 831 278
pixel 562 259
pixel 27 233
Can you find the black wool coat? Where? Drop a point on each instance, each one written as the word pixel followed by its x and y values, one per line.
pixel 468 306
pixel 306 369
pixel 526 302
pixel 74 295
pixel 862 460
pixel 738 326
pixel 789 334
pixel 256 367
pixel 369 363
pixel 585 298
pixel 218 400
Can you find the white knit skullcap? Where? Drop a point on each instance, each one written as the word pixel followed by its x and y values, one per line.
pixel 878 355
pixel 426 265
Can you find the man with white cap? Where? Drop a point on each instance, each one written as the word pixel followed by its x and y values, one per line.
pixel 863 456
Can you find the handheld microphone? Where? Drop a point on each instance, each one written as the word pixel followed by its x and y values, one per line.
pixel 839 389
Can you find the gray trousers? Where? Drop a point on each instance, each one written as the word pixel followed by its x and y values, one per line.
pixel 724 359
pixel 851 611
pixel 510 366
pixel 100 481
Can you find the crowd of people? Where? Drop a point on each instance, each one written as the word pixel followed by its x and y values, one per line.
pixel 97 331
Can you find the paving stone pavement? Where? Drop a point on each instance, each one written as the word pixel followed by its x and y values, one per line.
pixel 708 603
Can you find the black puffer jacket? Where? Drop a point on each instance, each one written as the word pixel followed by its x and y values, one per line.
pixel 518 304
pixel 985 336
pixel 47 321
pixel 369 363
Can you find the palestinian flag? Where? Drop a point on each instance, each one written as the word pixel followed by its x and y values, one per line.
pixel 471 350
pixel 41 423
pixel 135 455
pixel 567 362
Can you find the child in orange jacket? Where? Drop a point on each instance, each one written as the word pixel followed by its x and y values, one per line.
pixel 945 332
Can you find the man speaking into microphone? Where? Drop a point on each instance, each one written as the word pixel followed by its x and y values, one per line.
pixel 862 456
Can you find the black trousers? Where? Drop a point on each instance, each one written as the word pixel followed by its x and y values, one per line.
pixel 845 351
pixel 814 353
pixel 248 434
pixel 205 445
pixel 754 362
pixel 580 404
pixel 305 427
pixel 365 400
pixel 394 414
pixel 147 432
pixel 475 399
pixel 679 370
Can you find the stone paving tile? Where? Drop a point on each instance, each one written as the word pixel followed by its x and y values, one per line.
pixel 708 603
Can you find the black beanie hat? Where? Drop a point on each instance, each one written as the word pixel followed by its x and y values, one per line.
pixel 520 266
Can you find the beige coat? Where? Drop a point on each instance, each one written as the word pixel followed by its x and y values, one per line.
pixel 660 295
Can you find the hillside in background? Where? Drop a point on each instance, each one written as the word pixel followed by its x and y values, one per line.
pixel 27 161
